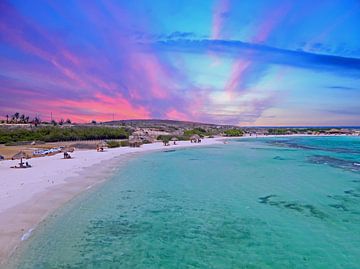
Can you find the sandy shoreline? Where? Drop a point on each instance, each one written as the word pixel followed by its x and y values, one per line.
pixel 28 196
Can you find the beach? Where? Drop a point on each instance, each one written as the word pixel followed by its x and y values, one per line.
pixel 28 196
pixel 284 202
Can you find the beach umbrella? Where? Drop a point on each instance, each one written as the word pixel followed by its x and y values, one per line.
pixel 174 139
pixel 195 136
pixel 20 155
pixel 68 149
pixel 102 144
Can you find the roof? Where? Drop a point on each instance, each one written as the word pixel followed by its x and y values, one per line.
pixel 20 155
pixel 102 144
pixel 195 136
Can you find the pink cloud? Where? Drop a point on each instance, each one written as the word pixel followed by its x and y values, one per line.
pixel 237 72
pixel 101 108
pixel 221 7
pixel 270 21
pixel 70 77
pixel 174 114
pixel 155 74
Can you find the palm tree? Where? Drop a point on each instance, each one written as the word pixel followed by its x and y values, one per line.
pixel 36 121
pixel 7 118
pixel 22 118
pixel 27 118
pixel 15 117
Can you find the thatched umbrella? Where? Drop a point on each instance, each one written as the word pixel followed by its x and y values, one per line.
pixel 174 139
pixel 68 149
pixel 195 138
pixel 2 158
pixel 20 156
pixel 102 144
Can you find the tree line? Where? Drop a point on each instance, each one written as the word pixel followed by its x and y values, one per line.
pixel 56 133
pixel 18 118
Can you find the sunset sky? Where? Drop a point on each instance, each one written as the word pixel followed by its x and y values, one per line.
pixel 261 62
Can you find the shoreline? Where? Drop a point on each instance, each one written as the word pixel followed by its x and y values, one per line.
pixel 29 196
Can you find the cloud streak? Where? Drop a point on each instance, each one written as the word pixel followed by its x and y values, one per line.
pixel 194 60
pixel 263 53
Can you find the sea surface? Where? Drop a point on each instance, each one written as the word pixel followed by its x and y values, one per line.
pixel 290 202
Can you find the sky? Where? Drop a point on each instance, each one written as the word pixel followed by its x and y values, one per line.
pixel 246 63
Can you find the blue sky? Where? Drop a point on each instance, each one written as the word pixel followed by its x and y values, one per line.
pixel 222 61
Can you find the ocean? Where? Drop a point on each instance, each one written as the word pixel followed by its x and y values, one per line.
pixel 285 202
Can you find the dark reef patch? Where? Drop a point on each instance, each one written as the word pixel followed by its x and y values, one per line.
pixel 288 144
pixel 353 193
pixel 346 202
pixel 294 145
pixel 348 165
pixel 279 158
pixel 265 199
pixel 304 209
pixel 339 206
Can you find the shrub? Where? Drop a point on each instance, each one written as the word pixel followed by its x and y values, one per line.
pixel 199 131
pixel 54 134
pixel 162 137
pixel 124 143
pixel 113 144
pixel 234 132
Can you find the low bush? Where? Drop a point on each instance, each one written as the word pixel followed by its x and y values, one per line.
pixel 55 133
pixel 124 143
pixel 113 144
pixel 234 132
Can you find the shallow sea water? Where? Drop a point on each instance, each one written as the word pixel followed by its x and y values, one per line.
pixel 253 203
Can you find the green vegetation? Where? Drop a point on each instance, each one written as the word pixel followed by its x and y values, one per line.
pixel 55 133
pixel 113 144
pixel 234 132
pixel 168 137
pixel 278 131
pixel 165 139
pixel 124 143
pixel 199 131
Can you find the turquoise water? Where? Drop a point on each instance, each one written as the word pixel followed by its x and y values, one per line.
pixel 253 203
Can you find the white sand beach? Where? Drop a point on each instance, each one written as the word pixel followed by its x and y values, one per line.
pixel 27 196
